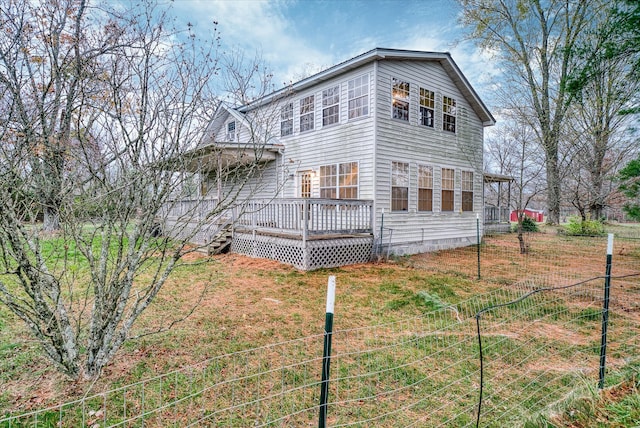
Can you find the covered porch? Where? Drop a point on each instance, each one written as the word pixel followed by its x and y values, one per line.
pixel 497 203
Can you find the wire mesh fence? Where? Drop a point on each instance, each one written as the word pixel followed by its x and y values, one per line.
pixel 540 338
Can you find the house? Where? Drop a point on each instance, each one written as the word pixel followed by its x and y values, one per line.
pixel 381 154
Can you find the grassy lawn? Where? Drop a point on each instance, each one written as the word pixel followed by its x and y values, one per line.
pixel 397 318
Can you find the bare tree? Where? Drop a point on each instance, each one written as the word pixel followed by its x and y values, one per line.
pixel 535 42
pixel 514 152
pixel 103 120
pixel 598 138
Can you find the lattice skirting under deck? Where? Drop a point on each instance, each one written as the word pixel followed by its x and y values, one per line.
pixel 317 254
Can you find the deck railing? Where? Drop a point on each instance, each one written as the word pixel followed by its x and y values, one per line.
pixel 306 217
pixel 193 209
pixel 496 215
pixel 303 217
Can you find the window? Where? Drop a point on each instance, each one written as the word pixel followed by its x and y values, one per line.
pixel 339 181
pixel 306 113
pixel 448 114
pixel 358 96
pixel 328 181
pixel 467 191
pixel 286 120
pixel 425 188
pixel 448 181
pixel 400 100
pixel 330 106
pixel 348 180
pixel 427 107
pixel 231 131
pixel 399 186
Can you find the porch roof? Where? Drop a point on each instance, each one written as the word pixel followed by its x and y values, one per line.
pixel 490 177
pixel 221 155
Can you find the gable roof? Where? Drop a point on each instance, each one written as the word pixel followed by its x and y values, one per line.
pixel 378 54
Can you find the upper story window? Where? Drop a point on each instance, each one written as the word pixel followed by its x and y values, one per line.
pixel 399 186
pixel 427 107
pixel 286 120
pixel 306 113
pixel 231 131
pixel 425 188
pixel 358 96
pixel 467 191
pixel 400 99
pixel 448 183
pixel 331 106
pixel 448 114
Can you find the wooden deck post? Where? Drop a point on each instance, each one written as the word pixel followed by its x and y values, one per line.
pixel 305 222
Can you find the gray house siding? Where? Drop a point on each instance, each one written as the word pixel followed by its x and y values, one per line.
pixel 350 140
pixel 410 142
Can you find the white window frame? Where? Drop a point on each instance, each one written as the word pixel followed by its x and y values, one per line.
pixel 400 180
pixel 358 97
pixel 422 185
pixel 427 105
pixel 286 119
pixel 231 131
pixel 447 189
pixel 336 184
pixel 400 104
pixel 466 187
pixel 330 187
pixel 331 106
pixel 449 113
pixel 307 110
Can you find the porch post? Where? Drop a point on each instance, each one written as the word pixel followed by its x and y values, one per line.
pixel 305 221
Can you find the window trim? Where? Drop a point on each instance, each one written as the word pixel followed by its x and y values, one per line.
pixel 452 190
pixel 335 97
pixel 307 113
pixel 423 106
pixel 463 191
pixel 420 187
pixel 231 133
pixel 397 99
pixel 360 92
pixel 449 111
pixel 288 120
pixel 337 188
pixel 394 185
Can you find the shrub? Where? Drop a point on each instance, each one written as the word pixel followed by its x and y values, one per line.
pixel 528 225
pixel 578 227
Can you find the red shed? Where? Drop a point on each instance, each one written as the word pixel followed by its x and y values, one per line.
pixel 535 215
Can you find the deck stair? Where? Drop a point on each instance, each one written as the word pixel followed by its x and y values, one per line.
pixel 222 240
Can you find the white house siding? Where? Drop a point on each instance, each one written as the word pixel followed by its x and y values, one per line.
pixel 346 141
pixel 413 143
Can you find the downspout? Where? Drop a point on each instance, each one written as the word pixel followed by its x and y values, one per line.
pixel 374 112
pixel 219 176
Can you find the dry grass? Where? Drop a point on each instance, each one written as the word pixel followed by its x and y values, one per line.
pixel 249 303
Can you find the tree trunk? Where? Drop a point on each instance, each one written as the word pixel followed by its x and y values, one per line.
pixel 553 186
pixel 51 221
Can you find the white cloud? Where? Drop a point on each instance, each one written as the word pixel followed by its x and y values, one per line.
pixel 260 26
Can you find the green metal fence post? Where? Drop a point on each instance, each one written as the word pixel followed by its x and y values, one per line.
pixel 605 312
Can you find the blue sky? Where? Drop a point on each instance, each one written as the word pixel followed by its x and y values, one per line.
pixel 297 37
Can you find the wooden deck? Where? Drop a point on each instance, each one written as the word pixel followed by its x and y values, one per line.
pixel 307 233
